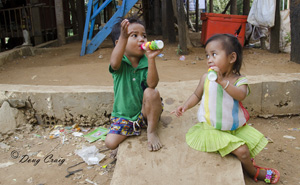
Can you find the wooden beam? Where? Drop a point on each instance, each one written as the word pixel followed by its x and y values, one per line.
pixel 59 13
pixel 80 8
pixel 36 24
pixel 211 6
pixel 74 17
pixel 246 7
pixel 157 14
pixel 181 27
pixel 168 30
pixel 164 19
pixel 197 16
pixel 295 30
pixel 275 30
pixel 233 7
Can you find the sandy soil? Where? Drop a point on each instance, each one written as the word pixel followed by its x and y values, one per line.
pixel 64 66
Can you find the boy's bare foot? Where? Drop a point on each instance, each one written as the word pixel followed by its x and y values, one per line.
pixel 153 142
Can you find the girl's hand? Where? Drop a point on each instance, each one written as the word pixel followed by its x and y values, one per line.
pixel 124 29
pixel 220 79
pixel 179 111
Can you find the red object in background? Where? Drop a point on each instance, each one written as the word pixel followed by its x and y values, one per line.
pixel 213 23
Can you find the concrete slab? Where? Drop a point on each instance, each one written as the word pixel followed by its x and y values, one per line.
pixel 176 162
pixel 276 94
pixel 88 105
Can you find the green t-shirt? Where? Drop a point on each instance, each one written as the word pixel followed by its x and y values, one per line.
pixel 129 86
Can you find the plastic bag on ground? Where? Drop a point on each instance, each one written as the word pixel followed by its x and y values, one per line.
pixel 90 155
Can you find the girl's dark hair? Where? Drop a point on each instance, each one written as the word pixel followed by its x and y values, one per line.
pixel 116 30
pixel 230 44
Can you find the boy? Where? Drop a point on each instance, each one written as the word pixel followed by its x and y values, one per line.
pixel 137 103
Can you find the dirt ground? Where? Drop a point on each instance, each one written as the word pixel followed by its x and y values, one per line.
pixel 64 66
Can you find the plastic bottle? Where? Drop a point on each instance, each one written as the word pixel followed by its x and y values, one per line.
pixel 212 75
pixel 153 45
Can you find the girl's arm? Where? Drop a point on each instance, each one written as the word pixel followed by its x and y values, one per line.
pixel 118 51
pixel 192 100
pixel 238 93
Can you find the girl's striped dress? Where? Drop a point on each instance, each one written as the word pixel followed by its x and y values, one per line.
pixel 223 126
pixel 219 109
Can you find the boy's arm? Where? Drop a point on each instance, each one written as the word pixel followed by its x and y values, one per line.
pixel 118 51
pixel 152 77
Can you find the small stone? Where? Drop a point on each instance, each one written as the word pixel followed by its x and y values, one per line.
pixel 289 137
pixel 15 103
pixel 29 180
pixel 4 146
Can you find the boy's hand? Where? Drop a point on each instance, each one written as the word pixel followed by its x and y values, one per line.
pixel 179 111
pixel 151 54
pixel 124 29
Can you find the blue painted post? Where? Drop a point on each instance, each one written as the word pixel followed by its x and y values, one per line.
pixel 86 28
pixel 100 8
pixel 105 31
pixel 93 20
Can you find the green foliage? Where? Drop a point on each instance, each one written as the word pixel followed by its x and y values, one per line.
pixel 220 5
pixel 178 50
pixel 288 38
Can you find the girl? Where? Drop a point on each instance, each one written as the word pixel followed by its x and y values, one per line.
pixel 222 117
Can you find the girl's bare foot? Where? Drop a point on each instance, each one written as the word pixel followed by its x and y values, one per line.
pixel 153 142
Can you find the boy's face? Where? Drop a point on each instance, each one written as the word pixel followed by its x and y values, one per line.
pixel 136 38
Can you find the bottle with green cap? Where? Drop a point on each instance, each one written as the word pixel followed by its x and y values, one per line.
pixel 212 75
pixel 153 45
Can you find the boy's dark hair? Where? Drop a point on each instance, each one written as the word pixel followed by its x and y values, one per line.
pixel 116 30
pixel 230 44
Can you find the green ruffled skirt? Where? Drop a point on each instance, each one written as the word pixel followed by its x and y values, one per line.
pixel 204 137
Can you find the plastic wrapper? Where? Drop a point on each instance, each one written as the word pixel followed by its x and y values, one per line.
pixel 90 155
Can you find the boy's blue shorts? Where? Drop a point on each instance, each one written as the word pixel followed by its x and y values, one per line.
pixel 126 127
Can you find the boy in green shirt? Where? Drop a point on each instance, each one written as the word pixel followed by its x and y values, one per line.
pixel 137 103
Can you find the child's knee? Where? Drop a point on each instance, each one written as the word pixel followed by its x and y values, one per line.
pixel 242 152
pixel 151 94
pixel 111 144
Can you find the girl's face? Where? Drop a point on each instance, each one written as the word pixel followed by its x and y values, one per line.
pixel 216 56
pixel 136 38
